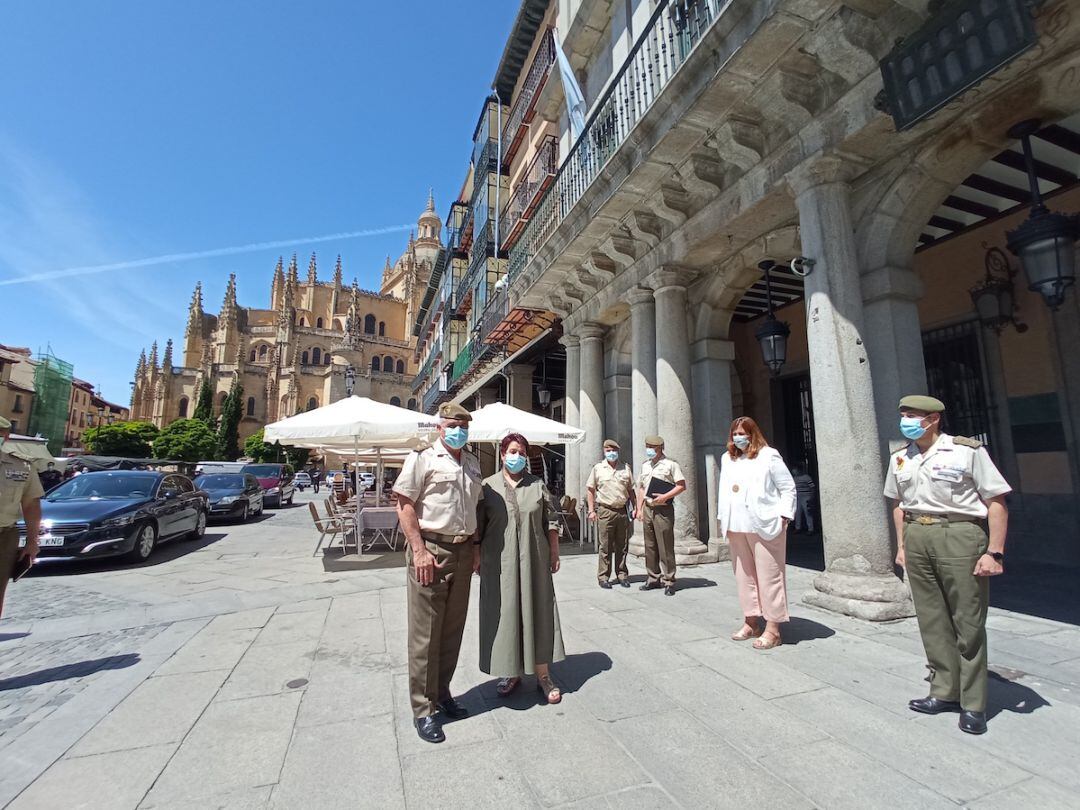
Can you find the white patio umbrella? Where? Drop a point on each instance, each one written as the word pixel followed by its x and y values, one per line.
pixel 493 422
pixel 356 423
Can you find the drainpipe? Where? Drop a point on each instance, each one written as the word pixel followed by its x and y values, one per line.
pixel 498 168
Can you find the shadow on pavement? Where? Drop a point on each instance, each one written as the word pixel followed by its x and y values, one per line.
pixel 799 629
pixel 1037 589
pixel 334 561
pixel 68 671
pixel 166 552
pixel 12 636
pixel 1004 695
pixel 570 675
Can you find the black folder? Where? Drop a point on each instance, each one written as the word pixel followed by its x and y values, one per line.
pixel 658 487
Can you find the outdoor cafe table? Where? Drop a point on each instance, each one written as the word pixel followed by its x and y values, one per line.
pixel 382 524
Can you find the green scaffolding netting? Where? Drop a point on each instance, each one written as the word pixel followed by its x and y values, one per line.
pixel 52 395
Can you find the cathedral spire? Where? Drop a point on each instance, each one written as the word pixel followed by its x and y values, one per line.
pixel 430 200
pixel 195 312
pixel 337 272
pixel 294 273
pixel 166 360
pixel 140 367
pixel 228 305
pixel 153 360
pixel 312 272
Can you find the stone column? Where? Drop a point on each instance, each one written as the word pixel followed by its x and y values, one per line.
pixel 859 577
pixel 573 413
pixel 711 372
pixel 520 378
pixel 643 375
pixel 894 345
pixel 592 398
pixel 674 414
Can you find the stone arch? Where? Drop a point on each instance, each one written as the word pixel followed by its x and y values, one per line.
pixel 301 322
pixel 396 401
pixel 182 408
pixel 284 407
pixel 388 364
pixel 312 403
pixel 399 367
pixel 412 403
pixel 263 348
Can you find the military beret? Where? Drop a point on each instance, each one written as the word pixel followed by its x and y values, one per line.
pixel 922 403
pixel 654 441
pixel 612 444
pixel 454 410
pixel 4 424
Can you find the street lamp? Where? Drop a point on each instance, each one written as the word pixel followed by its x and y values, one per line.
pixel 350 380
pixel 1046 241
pixel 994 298
pixel 772 335
pixel 545 398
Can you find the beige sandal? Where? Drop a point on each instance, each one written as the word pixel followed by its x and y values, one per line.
pixel 764 643
pixel 744 634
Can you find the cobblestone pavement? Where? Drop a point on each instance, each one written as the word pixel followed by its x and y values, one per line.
pixel 242 672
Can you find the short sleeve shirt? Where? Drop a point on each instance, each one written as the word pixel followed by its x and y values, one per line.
pixel 665 469
pixel 613 485
pixel 949 479
pixel 444 490
pixel 18 480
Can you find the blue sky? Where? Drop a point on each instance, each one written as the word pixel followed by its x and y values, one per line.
pixel 136 129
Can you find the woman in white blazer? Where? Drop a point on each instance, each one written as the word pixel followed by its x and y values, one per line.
pixel 755 504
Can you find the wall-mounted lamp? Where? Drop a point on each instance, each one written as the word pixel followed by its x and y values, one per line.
pixel 545 398
pixel 772 335
pixel 1046 241
pixel 994 298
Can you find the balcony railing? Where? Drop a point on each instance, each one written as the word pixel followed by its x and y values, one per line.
pixel 668 39
pixel 462 362
pixel 431 396
pixel 525 105
pixel 526 194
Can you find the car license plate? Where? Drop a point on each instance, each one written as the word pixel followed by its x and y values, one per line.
pixel 49 540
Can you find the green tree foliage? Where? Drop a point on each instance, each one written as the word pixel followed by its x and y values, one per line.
pixel 186 440
pixel 204 406
pixel 228 433
pixel 257 449
pixel 127 439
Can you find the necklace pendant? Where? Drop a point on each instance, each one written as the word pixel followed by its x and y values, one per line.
pixel 735 488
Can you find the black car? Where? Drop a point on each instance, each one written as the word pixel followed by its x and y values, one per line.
pixel 122 512
pixel 232 495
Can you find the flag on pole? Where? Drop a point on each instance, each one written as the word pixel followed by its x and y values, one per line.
pixel 575 99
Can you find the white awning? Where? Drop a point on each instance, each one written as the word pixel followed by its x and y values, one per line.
pixel 354 422
pixel 492 422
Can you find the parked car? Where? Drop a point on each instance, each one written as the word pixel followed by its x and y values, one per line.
pixel 118 512
pixel 302 480
pixel 276 481
pixel 232 495
pixel 209 467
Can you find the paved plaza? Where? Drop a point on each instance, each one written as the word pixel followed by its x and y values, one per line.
pixel 242 672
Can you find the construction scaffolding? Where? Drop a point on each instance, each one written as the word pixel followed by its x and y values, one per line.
pixel 52 398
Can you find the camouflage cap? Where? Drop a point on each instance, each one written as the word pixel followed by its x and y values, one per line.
pixel 925 404
pixel 611 443
pixel 454 410
pixel 654 441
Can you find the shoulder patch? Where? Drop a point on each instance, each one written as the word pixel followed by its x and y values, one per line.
pixel 964 441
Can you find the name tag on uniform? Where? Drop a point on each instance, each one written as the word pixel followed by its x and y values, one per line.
pixel 950 474
pixel 17 475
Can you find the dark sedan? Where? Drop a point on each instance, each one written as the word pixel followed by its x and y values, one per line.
pixel 234 496
pixel 113 513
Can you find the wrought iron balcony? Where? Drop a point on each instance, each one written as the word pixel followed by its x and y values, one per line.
pixel 526 194
pixel 524 107
pixel 432 396
pixel 668 39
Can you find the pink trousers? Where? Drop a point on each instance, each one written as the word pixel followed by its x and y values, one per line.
pixel 760 574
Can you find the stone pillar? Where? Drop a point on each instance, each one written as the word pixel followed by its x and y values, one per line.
pixel 592 398
pixel 894 345
pixel 859 577
pixel 643 374
pixel 711 372
pixel 573 413
pixel 674 413
pixel 520 385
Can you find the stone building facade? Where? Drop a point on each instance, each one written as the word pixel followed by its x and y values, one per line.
pixel 293 356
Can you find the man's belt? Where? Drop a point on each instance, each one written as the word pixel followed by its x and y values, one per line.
pixel 446 539
pixel 937 520
pixel 613 508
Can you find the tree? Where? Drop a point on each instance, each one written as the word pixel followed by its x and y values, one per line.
pixel 257 449
pixel 204 406
pixel 186 440
pixel 228 434
pixel 128 439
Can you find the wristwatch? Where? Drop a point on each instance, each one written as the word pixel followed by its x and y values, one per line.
pixel 997 555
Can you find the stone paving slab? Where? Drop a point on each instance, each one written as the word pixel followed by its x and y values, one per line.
pixel 249 674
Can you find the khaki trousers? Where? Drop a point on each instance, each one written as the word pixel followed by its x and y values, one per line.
pixel 660 543
pixel 9 552
pixel 436 623
pixel 612 542
pixel 950 604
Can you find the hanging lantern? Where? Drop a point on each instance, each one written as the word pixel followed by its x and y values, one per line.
pixel 772 335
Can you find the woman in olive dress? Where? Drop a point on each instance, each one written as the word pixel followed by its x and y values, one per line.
pixel 517 556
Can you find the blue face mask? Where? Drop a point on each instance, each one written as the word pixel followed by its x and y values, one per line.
pixel 650 453
pixel 514 462
pixel 612 456
pixel 742 442
pixel 911 427
pixel 456 437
